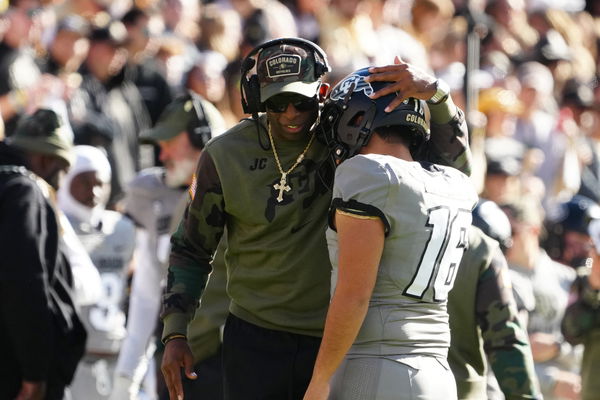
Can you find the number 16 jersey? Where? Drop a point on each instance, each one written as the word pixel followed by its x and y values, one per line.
pixel 426 212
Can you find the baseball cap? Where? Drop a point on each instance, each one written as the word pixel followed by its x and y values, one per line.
pixel 173 120
pixel 497 98
pixel 286 68
pixel 43 132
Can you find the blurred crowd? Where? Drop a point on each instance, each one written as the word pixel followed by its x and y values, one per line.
pixel 524 71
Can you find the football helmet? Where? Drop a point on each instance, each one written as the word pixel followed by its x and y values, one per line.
pixel 571 216
pixel 349 117
pixel 494 222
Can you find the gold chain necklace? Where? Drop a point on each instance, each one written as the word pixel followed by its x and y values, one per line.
pixel 282 185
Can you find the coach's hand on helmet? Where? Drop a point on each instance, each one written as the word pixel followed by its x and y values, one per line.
pixel 406 81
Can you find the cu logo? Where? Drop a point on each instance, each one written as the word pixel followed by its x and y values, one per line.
pixel 341 90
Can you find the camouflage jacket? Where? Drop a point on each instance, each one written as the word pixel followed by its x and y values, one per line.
pixel 483 322
pixel 583 313
pixel 581 324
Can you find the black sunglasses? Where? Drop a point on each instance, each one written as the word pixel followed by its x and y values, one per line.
pixel 280 103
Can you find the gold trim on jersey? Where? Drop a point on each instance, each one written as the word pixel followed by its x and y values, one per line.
pixel 349 214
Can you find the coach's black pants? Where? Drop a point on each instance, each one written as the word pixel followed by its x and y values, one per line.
pixel 265 364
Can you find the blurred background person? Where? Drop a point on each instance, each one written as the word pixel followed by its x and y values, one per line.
pixel 141 46
pixel 155 200
pixel 23 85
pixel 488 340
pixel 44 336
pixel 556 362
pixel 205 77
pixel 109 238
pixel 264 20
pixel 567 240
pixel 18 72
pixel 107 94
pixel 67 47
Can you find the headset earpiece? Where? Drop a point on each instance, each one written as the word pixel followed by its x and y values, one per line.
pixel 249 87
pixel 251 95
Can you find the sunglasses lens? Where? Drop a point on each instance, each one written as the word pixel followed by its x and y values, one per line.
pixel 279 104
pixel 275 106
pixel 306 104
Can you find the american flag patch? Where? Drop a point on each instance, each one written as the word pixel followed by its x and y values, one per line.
pixel 192 188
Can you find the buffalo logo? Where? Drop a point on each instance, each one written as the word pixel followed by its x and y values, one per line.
pixel 357 81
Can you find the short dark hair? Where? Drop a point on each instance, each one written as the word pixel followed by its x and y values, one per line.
pixel 397 134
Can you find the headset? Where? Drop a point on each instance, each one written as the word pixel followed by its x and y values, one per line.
pixel 198 128
pixel 250 86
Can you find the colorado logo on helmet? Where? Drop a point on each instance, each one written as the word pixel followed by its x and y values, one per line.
pixel 415 119
pixel 342 88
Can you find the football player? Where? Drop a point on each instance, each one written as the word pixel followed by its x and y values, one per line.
pixel 397 232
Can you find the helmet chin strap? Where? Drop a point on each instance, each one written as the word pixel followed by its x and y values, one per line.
pixel 315 124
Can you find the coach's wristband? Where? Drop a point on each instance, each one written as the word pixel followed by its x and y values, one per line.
pixel 442 91
pixel 173 336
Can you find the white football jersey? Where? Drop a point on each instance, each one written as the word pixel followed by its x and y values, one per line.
pixel 426 210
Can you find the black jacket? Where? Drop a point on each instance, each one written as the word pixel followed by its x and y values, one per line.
pixel 37 315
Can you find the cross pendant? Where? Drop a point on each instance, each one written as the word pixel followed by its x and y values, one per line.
pixel 282 186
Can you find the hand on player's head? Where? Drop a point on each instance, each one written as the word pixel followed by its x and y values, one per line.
pixel 405 80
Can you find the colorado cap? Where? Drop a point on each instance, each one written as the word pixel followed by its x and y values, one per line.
pixel 44 132
pixel 287 68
